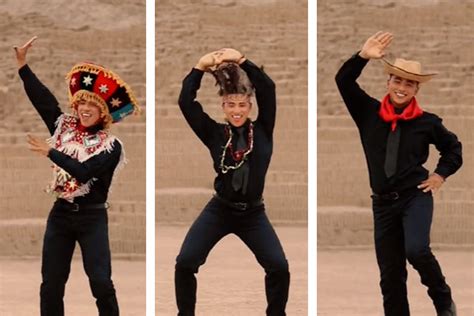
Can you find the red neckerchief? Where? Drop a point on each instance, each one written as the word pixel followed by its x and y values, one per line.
pixel 387 111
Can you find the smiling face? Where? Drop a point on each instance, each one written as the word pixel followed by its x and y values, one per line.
pixel 89 113
pixel 401 90
pixel 236 108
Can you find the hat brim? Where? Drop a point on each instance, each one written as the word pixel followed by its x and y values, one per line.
pixel 394 70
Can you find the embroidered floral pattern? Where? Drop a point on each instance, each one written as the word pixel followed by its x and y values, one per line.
pixel 79 144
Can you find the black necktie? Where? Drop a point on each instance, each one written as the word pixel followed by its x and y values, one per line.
pixel 240 176
pixel 391 155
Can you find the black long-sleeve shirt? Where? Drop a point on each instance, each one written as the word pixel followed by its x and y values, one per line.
pixel 416 136
pixel 213 134
pixel 101 166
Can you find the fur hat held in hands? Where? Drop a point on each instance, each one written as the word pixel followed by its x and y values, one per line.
pixel 231 79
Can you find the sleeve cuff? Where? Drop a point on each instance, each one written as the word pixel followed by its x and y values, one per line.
pixel 53 155
pixel 247 64
pixel 24 71
pixel 197 71
pixel 57 157
pixel 442 172
pixel 357 57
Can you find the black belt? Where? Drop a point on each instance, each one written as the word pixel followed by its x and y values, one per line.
pixel 241 206
pixel 75 207
pixel 395 195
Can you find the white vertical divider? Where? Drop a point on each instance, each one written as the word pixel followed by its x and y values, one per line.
pixel 150 157
pixel 312 158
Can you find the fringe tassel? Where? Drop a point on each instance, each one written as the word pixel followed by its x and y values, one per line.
pixel 75 149
pixel 81 191
pixel 78 152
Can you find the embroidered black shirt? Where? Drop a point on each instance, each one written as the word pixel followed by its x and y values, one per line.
pixel 101 166
pixel 213 134
pixel 416 136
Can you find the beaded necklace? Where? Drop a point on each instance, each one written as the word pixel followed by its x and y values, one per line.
pixel 239 156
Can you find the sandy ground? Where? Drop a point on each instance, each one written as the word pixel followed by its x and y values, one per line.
pixel 231 281
pixel 20 280
pixel 348 283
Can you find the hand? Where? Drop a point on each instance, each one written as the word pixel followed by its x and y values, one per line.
pixel 231 55
pixel 209 60
pixel 433 183
pixel 375 45
pixel 38 145
pixel 22 51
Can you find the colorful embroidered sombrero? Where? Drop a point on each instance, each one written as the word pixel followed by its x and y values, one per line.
pixel 88 81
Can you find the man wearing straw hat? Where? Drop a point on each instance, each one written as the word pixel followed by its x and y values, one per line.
pixel 85 157
pixel 395 135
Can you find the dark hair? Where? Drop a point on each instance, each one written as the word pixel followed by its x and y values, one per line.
pixel 231 79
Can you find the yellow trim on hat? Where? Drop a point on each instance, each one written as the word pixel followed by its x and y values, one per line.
pixel 87 95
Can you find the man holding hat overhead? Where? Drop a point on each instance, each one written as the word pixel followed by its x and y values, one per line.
pixel 241 150
pixel 396 134
pixel 85 156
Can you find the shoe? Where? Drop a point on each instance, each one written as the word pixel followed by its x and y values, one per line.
pixel 451 311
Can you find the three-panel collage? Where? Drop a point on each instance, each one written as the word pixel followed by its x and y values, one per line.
pixel 220 157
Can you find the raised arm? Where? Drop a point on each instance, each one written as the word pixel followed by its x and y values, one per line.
pixel 202 125
pixel 264 93
pixel 41 98
pixel 346 78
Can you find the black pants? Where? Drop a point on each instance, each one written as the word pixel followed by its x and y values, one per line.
pixel 402 232
pixel 216 221
pixel 90 229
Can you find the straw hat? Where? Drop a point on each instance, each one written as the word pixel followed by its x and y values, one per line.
pixel 408 69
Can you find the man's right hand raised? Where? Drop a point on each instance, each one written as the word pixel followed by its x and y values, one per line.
pixel 22 51
pixel 375 45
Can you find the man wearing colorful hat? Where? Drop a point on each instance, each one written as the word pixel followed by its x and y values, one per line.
pixel 395 135
pixel 85 156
